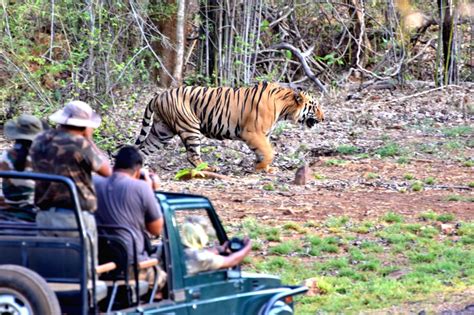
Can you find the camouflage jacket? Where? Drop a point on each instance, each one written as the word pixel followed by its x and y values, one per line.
pixel 198 260
pixel 57 152
pixel 18 192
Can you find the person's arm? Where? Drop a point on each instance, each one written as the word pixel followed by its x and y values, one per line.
pixel 155 227
pixel 236 258
pixel 105 169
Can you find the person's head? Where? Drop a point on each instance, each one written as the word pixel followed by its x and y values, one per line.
pixel 26 127
pixel 194 235
pixel 23 130
pixel 129 159
pixel 76 116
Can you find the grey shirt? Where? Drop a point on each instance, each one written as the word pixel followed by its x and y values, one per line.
pixel 128 202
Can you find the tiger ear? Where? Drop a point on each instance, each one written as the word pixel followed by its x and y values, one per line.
pixel 299 97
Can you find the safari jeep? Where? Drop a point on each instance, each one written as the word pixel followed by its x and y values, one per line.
pixel 46 270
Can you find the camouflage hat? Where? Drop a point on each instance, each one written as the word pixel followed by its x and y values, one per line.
pixel 25 127
pixel 76 113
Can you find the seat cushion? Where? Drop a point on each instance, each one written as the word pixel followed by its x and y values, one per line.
pixel 72 290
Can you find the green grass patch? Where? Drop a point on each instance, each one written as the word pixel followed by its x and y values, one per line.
pixel 335 162
pixel 417 186
pixel 294 226
pixel 445 217
pixel 389 150
pixel 408 176
pixel 460 198
pixel 395 262
pixel 319 176
pixel 392 217
pixel 371 175
pixel 429 181
pixel 286 248
pixel 458 131
pixel 347 149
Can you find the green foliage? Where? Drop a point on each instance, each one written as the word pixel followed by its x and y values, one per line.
pixel 417 186
pixel 347 149
pixel 430 180
pixel 445 217
pixel 392 217
pixel 408 176
pixel 321 176
pixel 389 150
pixel 269 187
pixel 460 198
pixel 458 131
pixel 335 162
pixel 330 59
pixel 192 172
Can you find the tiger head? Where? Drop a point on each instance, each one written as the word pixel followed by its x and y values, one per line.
pixel 310 111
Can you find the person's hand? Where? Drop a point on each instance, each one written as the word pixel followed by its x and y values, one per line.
pixel 150 178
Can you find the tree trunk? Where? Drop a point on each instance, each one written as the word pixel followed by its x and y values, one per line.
pixel 180 42
pixel 447 39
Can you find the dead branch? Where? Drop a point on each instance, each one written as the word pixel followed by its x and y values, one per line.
pixel 302 59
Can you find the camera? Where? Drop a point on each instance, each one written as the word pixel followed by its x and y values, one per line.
pixel 236 244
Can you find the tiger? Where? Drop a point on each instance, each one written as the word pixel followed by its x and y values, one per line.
pixel 248 114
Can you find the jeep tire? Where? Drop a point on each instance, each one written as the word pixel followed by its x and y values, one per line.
pixel 23 291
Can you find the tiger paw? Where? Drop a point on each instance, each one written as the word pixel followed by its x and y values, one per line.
pixel 266 169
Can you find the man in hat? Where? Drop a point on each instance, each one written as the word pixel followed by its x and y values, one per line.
pixel 69 150
pixel 199 257
pixel 19 193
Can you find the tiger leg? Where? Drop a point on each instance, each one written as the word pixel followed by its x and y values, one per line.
pixel 159 136
pixel 192 142
pixel 263 150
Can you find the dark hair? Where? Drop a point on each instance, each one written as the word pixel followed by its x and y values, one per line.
pixel 128 158
pixel 21 147
pixel 70 127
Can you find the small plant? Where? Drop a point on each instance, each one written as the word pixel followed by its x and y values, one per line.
pixel 269 187
pixel 190 172
pixel 430 180
pixel 347 149
pixel 286 248
pixel 392 217
pixel 417 186
pixel 428 215
pixel 389 150
pixel 460 198
pixel 335 162
pixel 319 176
pixel 371 175
pixel 403 160
pixel 408 176
pixel 470 184
pixel 468 163
pixel 458 131
pixel 445 217
pixel 293 226
pixel 335 222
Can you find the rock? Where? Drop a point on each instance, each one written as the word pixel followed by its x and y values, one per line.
pixel 447 229
pixel 312 286
pixel 302 175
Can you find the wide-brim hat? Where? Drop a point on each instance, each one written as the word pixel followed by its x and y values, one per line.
pixel 76 113
pixel 25 127
pixel 194 236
